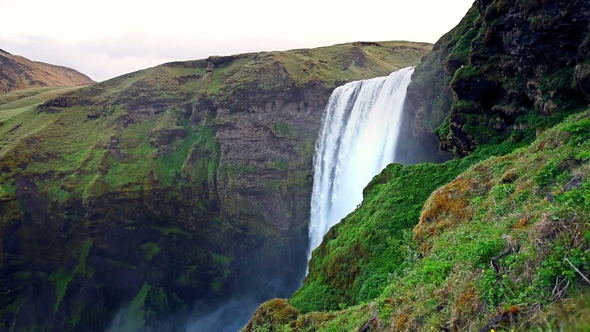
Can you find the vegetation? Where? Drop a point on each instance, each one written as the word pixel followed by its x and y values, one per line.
pixel 505 242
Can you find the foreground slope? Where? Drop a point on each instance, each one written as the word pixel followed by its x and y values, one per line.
pixel 504 245
pixel 17 73
pixel 166 186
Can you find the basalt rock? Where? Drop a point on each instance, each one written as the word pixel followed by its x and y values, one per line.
pixel 508 68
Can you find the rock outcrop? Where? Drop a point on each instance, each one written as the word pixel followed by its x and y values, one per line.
pixel 508 68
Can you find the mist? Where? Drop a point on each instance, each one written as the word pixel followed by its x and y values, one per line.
pixel 221 315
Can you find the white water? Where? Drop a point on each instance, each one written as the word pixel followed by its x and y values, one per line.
pixel 359 131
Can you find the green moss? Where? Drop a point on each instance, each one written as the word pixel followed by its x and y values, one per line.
pixel 465 73
pixel 13 308
pixel 81 267
pixel 216 285
pixel 150 249
pixel 282 130
pixel 170 230
pixel 280 165
pixel 225 261
pixel 203 157
pixel 271 315
pixel 158 298
pixel 444 129
pixel 62 279
pixel 459 55
pixel 353 263
pixel 135 315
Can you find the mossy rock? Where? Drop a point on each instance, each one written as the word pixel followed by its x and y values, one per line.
pixel 272 314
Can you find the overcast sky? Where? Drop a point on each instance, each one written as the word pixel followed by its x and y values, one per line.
pixel 107 38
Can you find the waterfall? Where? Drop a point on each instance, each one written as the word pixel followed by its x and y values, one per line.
pixel 357 140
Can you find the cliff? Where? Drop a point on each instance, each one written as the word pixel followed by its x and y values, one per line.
pixel 508 69
pixel 140 195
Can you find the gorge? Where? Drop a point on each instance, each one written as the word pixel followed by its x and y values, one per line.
pixel 132 200
pixel 163 194
pixel 357 139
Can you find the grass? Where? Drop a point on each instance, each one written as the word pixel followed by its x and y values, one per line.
pixel 66 150
pixel 150 250
pixel 134 317
pixel 19 101
pixel 62 279
pixel 421 259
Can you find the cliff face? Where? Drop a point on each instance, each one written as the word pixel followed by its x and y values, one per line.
pixel 17 72
pixel 167 186
pixel 508 68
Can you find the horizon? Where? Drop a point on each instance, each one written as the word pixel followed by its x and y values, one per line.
pixel 139 35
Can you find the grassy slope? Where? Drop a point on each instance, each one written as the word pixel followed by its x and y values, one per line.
pixel 439 277
pixel 18 101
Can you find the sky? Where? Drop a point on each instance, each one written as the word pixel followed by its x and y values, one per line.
pixel 108 38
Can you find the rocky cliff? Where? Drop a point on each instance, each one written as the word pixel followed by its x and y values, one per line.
pixel 508 69
pixel 140 195
pixel 17 72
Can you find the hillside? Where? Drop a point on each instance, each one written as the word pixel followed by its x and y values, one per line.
pixel 17 73
pixel 18 101
pixel 503 244
pixel 191 181
pixel 498 238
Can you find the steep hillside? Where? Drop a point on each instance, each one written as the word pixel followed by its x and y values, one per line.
pixel 18 101
pixel 505 245
pixel 166 186
pixel 17 72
